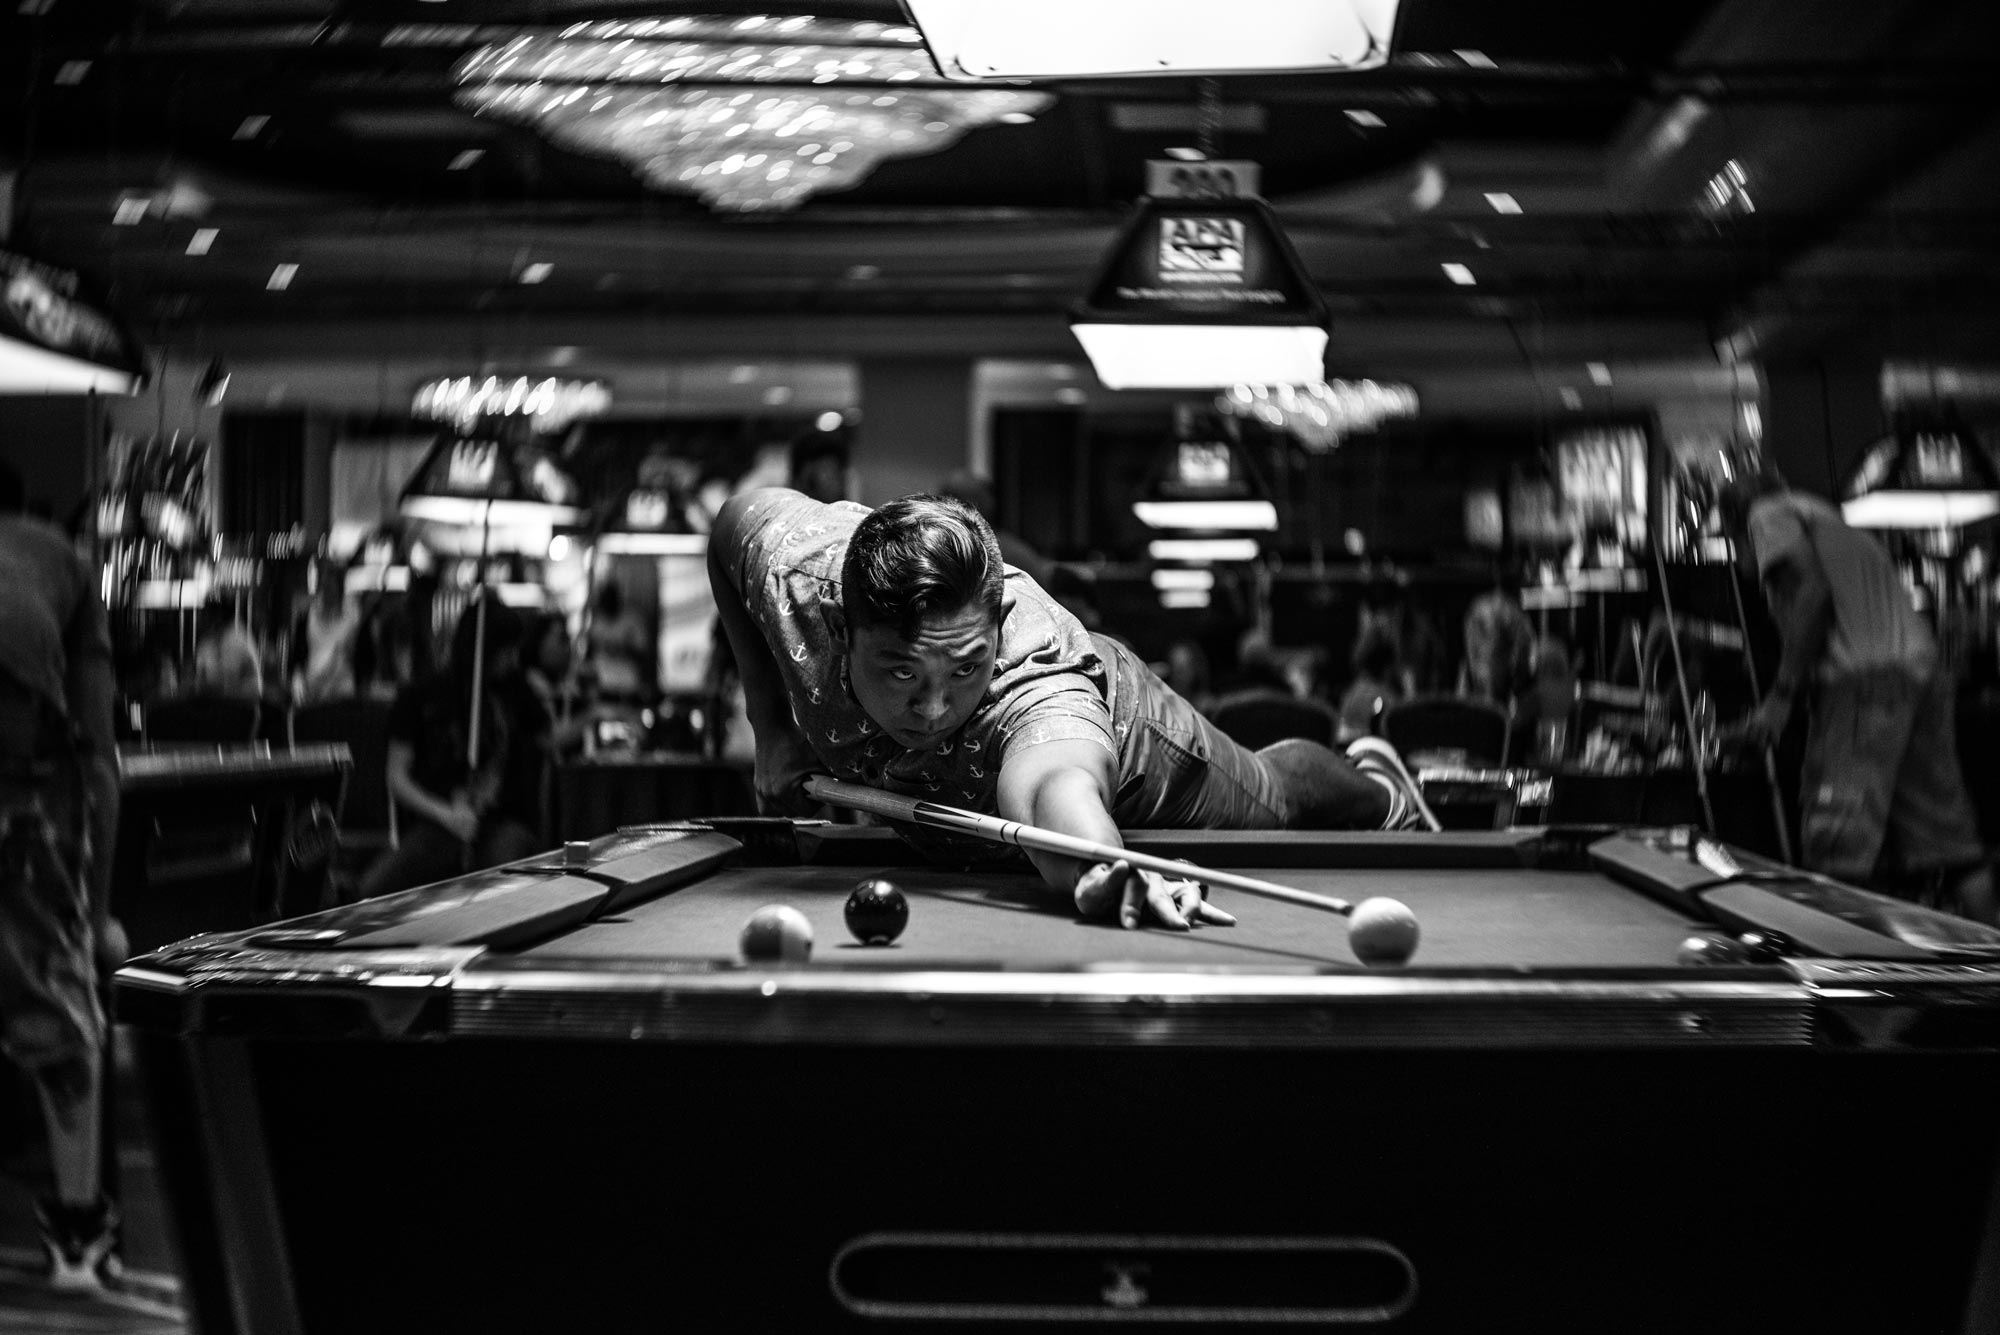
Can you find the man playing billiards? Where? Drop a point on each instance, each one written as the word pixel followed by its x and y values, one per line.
pixel 892 647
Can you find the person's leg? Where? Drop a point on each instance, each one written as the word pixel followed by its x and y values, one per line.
pixel 426 852
pixel 1933 827
pixel 1324 790
pixel 52 1026
pixel 1855 744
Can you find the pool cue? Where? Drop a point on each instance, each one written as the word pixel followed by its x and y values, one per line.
pixel 1757 689
pixel 916 811
pixel 1681 683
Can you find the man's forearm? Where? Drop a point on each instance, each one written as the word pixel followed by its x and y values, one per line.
pixel 1070 803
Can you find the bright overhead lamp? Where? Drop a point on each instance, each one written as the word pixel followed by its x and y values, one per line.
pixel 1460 274
pixel 491 483
pixel 1202 294
pixel 1058 39
pixel 52 341
pixel 1197 551
pixel 1924 475
pixel 1208 516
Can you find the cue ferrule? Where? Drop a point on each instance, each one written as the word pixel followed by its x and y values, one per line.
pixel 916 811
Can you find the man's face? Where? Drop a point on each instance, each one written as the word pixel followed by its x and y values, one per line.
pixel 921 689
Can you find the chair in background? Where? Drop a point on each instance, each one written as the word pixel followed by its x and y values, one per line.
pixel 196 718
pixel 368 812
pixel 1469 732
pixel 1256 719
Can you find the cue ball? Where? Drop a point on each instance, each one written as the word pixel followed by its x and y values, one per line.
pixel 1382 931
pixel 877 912
pixel 778 932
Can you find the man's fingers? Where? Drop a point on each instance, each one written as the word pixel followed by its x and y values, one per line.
pixel 1208 913
pixel 1099 890
pixel 1165 899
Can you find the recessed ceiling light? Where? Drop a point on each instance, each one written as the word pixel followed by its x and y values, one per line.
pixel 1600 374
pixel 537 272
pixel 131 210
pixel 1477 59
pixel 465 159
pixel 778 394
pixel 1570 398
pixel 1503 202
pixel 1016 118
pixel 1061 371
pixel 828 421
pixel 861 273
pixel 281 277
pixel 1069 394
pixel 251 127
pixel 742 375
pixel 1367 118
pixel 564 356
pixel 72 72
pixel 1459 274
pixel 203 238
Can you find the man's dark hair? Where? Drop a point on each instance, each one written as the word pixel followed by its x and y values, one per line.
pixel 920 556
pixel 13 491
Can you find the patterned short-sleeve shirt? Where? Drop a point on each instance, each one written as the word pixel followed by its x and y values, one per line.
pixel 1048 680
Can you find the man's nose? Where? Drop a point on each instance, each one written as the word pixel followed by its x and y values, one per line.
pixel 932 704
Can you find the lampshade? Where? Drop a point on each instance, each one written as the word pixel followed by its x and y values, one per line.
pixel 646 524
pixel 1201 484
pixel 1029 39
pixel 1926 474
pixel 493 483
pixel 52 341
pixel 1202 294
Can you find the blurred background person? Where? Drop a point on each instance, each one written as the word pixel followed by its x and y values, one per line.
pixel 459 817
pixel 1884 800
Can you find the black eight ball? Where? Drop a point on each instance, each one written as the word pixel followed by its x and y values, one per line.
pixel 877 912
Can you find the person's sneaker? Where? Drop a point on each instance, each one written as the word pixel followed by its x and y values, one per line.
pixel 1378 760
pixel 82 1246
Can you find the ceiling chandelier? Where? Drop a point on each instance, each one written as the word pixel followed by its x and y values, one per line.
pixel 678 99
pixel 549 403
pixel 1320 415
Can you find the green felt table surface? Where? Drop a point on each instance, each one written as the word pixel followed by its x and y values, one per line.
pixel 1004 919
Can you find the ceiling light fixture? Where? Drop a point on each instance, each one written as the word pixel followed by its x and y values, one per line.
pixel 281 277
pixel 537 272
pixel 548 402
pixel 465 159
pixel 1459 274
pixel 1320 416
pixel 1202 294
pixel 203 240
pixel 1502 202
pixel 676 99
pixel 1032 39
pixel 1929 473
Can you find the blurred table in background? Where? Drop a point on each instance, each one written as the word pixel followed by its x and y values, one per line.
pixel 218 838
pixel 1467 798
pixel 595 795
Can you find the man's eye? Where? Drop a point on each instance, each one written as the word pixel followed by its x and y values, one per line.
pixel 970 669
pixel 902 674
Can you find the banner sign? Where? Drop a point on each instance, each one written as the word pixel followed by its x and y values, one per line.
pixel 40 305
pixel 1204 261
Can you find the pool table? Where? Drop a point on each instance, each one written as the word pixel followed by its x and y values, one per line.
pixel 553 1096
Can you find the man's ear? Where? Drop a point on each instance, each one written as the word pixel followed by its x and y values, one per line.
pixel 836 625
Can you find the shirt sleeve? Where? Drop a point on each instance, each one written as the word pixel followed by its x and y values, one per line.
pixel 1063 706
